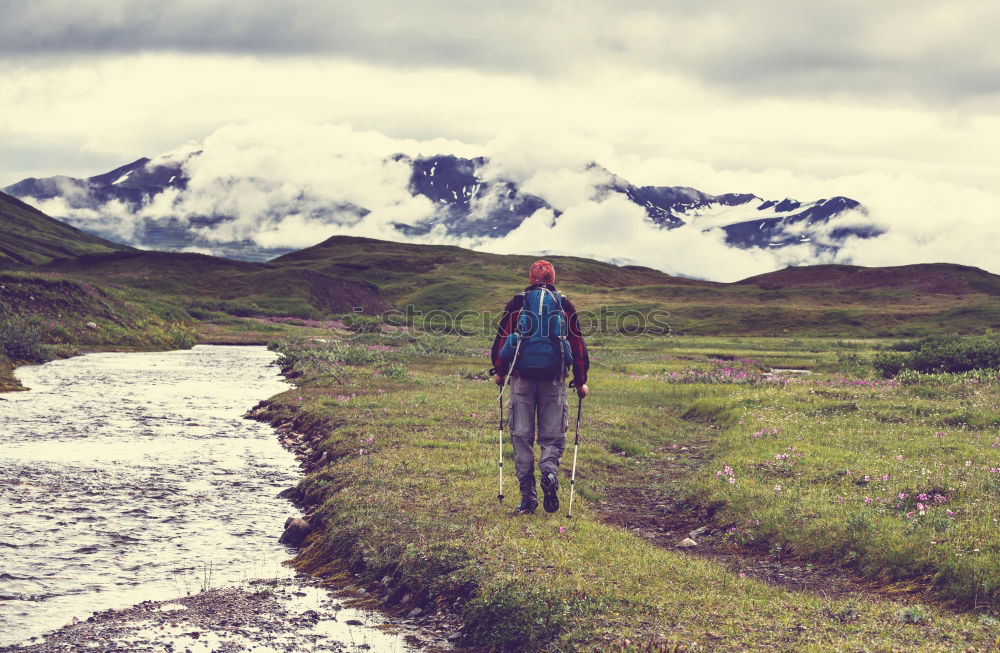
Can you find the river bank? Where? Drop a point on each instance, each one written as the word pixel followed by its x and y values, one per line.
pixel 288 615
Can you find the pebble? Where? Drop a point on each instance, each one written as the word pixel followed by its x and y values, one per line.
pixel 686 543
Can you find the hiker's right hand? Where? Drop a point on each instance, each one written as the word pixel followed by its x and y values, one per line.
pixel 582 391
pixel 497 379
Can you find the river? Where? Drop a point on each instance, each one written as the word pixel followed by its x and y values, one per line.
pixel 132 477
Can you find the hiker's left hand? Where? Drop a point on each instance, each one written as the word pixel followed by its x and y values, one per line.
pixel 582 391
pixel 497 379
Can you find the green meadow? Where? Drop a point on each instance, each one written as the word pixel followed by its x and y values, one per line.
pixel 842 477
pixel 890 485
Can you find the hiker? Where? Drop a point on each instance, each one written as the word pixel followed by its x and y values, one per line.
pixel 539 334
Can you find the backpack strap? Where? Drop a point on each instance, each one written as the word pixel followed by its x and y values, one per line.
pixel 558 297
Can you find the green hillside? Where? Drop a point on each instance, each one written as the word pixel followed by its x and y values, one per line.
pixel 29 237
pixel 844 301
pixel 206 283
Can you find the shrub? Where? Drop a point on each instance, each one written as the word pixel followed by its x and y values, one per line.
pixel 517 616
pixel 21 338
pixel 396 371
pixel 181 336
pixel 332 352
pixel 440 345
pixel 475 375
pixel 913 614
pixel 951 354
pixel 361 323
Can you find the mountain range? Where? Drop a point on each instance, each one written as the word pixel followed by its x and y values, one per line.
pixel 470 200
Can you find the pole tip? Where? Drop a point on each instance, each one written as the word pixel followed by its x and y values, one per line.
pixel 500 498
pixel 569 516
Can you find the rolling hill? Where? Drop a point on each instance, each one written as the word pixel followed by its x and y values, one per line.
pixel 810 300
pixel 200 282
pixel 934 279
pixel 29 237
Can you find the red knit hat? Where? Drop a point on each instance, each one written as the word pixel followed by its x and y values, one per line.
pixel 542 272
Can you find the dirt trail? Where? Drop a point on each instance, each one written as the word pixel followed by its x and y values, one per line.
pixel 646 508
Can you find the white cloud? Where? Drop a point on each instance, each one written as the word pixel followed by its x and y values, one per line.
pixel 291 185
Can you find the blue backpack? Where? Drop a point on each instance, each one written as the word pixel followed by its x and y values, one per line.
pixel 539 341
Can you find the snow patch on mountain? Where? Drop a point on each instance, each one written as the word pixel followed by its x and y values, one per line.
pixel 248 193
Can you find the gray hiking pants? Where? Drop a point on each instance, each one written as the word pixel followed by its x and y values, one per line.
pixel 542 404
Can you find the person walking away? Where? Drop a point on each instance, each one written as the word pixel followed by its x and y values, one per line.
pixel 538 342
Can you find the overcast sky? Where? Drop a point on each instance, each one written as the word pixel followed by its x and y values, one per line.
pixel 894 102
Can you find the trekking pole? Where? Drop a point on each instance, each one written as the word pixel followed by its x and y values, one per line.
pixel 576 446
pixel 503 385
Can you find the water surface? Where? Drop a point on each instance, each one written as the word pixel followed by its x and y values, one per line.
pixel 126 477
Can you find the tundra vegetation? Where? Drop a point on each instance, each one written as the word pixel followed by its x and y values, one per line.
pixel 882 463
pixel 892 481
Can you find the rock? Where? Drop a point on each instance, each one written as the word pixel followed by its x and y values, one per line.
pixel 701 530
pixel 91 325
pixel 686 543
pixel 296 530
pixel 414 612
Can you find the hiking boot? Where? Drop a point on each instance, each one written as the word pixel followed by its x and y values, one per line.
pixel 550 489
pixel 526 508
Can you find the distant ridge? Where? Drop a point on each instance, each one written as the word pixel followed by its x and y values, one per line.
pixel 817 300
pixel 933 278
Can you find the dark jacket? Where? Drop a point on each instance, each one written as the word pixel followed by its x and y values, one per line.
pixel 508 323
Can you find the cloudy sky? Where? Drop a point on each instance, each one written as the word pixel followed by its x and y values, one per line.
pixel 895 103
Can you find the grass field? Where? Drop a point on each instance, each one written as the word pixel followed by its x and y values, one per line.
pixel 404 431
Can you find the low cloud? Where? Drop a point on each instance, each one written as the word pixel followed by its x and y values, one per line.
pixel 293 185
